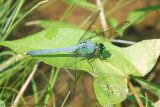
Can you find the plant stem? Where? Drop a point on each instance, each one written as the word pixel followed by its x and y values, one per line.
pixel 135 94
pixel 24 86
pixel 66 99
pixel 119 5
pixel 102 15
pixel 68 12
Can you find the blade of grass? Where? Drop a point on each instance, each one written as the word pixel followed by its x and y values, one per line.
pixel 15 91
pixel 35 94
pixel 152 87
pixel 4 53
pixel 26 70
pixel 7 28
pixel 68 12
pixel 5 10
pixel 3 89
pixel 22 17
pixel 66 99
pixel 10 62
pixel 119 4
pixel 12 70
pixel 24 86
pixel 51 84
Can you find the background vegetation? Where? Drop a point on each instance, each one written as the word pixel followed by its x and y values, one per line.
pixel 25 81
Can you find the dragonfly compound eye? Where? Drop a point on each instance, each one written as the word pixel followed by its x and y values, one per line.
pixel 101 46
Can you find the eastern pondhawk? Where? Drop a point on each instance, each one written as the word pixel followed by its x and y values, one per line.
pixel 84 48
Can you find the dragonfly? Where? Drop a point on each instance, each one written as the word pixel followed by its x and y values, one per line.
pixel 84 48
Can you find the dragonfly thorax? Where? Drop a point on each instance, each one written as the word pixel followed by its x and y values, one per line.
pixel 89 48
pixel 86 48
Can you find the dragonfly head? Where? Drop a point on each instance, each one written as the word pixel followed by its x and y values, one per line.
pixel 100 46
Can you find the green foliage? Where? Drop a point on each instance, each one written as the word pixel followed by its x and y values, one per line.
pixel 2 103
pixel 83 3
pixel 113 70
pixel 8 16
pixel 145 101
pixel 138 15
pixel 52 24
pixel 110 76
pixel 11 14
pixel 152 87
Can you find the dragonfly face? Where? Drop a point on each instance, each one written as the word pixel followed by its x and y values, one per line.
pixel 99 49
pixel 100 46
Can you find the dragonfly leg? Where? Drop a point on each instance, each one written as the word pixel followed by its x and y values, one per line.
pixel 90 60
pixel 99 57
pixel 90 63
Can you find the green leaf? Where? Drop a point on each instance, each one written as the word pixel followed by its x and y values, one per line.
pixel 110 74
pixel 52 24
pixel 2 103
pixel 152 87
pixel 143 55
pixel 157 104
pixel 4 7
pixel 138 15
pixel 145 101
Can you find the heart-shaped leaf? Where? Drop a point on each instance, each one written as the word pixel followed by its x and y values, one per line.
pixel 110 74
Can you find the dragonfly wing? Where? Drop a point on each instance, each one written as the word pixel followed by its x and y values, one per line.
pixel 100 75
pixel 111 31
pixel 110 86
pixel 94 17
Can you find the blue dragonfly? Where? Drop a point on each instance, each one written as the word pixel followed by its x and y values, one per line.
pixel 84 48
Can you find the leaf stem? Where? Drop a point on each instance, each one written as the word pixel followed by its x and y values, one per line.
pixel 135 94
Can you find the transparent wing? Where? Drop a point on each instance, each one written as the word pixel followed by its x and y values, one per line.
pixel 100 75
pixel 110 31
pixel 113 30
pixel 109 86
pixel 94 17
pixel 73 87
pixel 73 75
